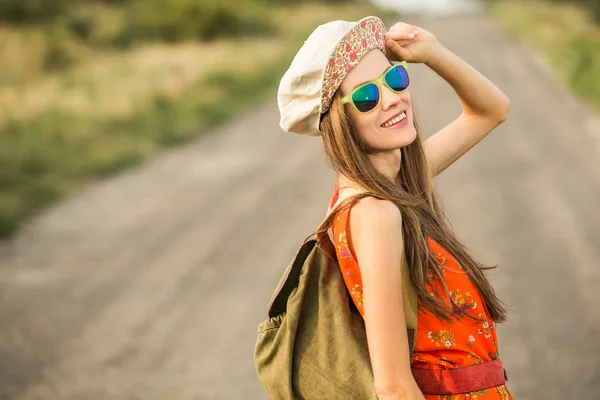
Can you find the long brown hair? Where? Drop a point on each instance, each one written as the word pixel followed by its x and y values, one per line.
pixel 414 194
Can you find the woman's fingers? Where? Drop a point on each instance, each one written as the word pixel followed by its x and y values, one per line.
pixel 402 35
pixel 401 26
pixel 406 30
pixel 398 50
pixel 399 38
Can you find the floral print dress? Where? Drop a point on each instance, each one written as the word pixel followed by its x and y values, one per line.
pixel 439 344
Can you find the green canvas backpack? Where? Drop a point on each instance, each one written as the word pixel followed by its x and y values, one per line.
pixel 313 344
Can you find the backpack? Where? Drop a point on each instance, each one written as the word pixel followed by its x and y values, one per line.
pixel 313 344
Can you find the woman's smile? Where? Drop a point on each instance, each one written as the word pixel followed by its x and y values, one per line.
pixel 398 120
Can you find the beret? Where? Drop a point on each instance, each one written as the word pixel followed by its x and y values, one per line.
pixel 331 51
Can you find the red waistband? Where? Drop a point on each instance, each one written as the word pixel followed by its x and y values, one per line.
pixel 460 380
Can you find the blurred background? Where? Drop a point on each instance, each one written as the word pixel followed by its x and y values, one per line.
pixel 149 201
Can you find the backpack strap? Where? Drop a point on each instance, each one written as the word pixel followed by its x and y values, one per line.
pixel 289 281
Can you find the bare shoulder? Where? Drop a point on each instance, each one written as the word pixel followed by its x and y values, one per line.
pixel 375 223
pixel 375 213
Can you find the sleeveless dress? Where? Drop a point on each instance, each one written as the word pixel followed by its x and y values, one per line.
pixel 439 344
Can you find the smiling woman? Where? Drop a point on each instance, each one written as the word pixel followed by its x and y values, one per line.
pixel 389 92
pixel 385 220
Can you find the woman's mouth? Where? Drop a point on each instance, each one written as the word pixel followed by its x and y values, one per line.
pixel 396 122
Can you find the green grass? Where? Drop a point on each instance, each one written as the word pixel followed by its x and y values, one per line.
pixel 562 32
pixel 585 76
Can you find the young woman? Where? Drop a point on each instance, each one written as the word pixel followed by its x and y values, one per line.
pixel 346 85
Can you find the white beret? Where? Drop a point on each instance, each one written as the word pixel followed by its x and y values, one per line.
pixel 320 66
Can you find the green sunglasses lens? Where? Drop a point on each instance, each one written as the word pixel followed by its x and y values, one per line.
pixel 397 78
pixel 366 98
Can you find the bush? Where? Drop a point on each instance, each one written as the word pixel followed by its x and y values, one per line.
pixel 176 20
pixel 594 7
pixel 98 25
pixel 22 11
pixel 585 52
pixel 62 49
pixel 121 22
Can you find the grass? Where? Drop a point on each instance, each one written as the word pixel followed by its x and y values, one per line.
pixel 564 34
pixel 61 130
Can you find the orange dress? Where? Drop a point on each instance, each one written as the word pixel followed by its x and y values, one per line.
pixel 439 344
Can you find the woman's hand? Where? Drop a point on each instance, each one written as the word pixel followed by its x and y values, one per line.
pixel 409 43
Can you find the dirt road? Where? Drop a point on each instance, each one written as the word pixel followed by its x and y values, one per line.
pixel 150 285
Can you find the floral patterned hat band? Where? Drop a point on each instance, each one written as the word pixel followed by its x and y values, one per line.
pixel 327 56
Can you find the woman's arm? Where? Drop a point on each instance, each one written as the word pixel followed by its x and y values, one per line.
pixel 484 105
pixel 376 227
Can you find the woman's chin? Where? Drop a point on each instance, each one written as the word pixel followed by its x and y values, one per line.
pixel 398 138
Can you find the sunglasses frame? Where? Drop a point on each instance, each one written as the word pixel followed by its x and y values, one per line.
pixel 378 82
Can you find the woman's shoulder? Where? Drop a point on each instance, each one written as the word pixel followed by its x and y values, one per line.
pixel 373 213
pixel 370 222
pixel 369 211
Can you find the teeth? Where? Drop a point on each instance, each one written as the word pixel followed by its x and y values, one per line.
pixel 395 120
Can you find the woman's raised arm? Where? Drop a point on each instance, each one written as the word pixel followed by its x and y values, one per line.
pixel 484 105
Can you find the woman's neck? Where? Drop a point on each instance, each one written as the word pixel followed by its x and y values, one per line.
pixel 387 163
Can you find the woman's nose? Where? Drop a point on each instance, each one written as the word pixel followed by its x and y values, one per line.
pixel 389 99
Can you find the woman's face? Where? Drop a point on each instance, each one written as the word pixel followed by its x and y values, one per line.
pixel 374 128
